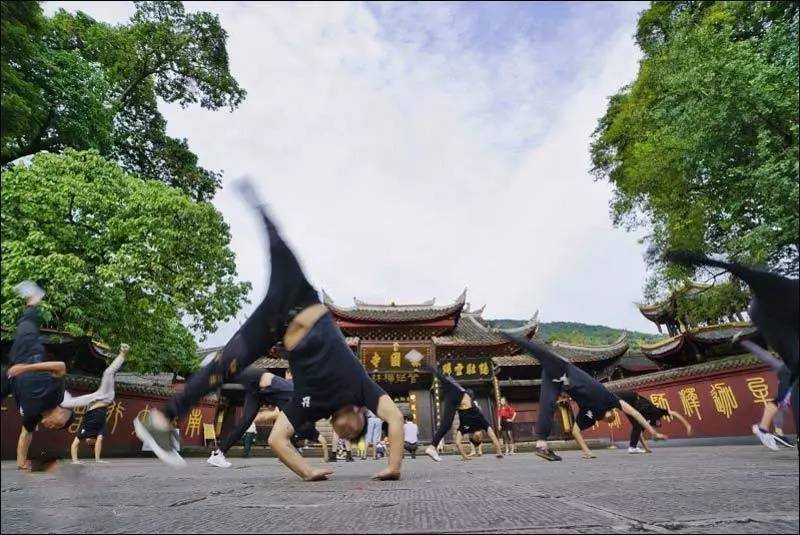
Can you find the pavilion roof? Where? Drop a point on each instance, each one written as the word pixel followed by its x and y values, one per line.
pixel 426 311
pixel 694 370
pixel 576 353
pixel 664 311
pixel 472 329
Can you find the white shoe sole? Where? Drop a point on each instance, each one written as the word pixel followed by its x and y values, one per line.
pixel 761 436
pixel 219 465
pixel 782 442
pixel 171 458
pixel 433 455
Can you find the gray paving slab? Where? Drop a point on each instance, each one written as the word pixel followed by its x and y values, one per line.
pixel 730 489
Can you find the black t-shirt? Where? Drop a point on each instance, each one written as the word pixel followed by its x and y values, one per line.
pixel 278 393
pixel 37 392
pixel 593 399
pixel 327 376
pixel 27 347
pixel 651 412
pixel 472 419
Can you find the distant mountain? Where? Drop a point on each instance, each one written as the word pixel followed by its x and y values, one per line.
pixel 579 333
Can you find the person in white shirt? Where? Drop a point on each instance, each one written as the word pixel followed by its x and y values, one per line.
pixel 410 437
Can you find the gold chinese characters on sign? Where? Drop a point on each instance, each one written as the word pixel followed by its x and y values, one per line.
pixel 724 399
pixel 468 369
pixel 759 388
pixel 396 377
pixel 690 401
pixel 660 401
pixel 391 357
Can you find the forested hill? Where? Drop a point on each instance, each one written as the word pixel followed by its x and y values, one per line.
pixel 579 333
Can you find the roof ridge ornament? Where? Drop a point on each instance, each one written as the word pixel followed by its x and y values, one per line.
pixel 326 299
pixel 463 297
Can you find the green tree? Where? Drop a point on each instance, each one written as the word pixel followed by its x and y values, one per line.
pixel 83 84
pixel 702 147
pixel 122 259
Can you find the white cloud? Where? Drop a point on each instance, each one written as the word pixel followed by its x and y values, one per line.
pixel 405 159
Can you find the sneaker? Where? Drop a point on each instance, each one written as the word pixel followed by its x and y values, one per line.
pixel 332 458
pixel 349 457
pixel 635 450
pixel 783 440
pixel 431 452
pixel 547 454
pixel 218 459
pixel 766 438
pixel 159 441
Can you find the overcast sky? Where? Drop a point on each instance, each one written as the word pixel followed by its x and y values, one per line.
pixel 411 150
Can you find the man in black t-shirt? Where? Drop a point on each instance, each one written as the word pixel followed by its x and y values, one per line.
pixel 38 390
pixel 594 401
pixel 38 387
pixel 329 381
pixel 471 421
pixel 652 414
pixel 261 388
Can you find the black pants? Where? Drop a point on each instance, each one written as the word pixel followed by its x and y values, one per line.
pixel 453 394
pixel 553 367
pixel 507 431
pixel 289 293
pixel 249 439
pixel 249 413
pixel 411 448
pixel 636 433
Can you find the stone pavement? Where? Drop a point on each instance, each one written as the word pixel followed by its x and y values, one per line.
pixel 730 489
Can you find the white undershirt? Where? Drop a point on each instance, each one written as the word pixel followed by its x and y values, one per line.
pixel 410 432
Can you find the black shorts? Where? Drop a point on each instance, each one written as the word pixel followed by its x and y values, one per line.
pixel 471 420
pixel 94 424
pixel 307 431
pixel 506 425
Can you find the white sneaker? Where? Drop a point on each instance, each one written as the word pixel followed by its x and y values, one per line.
pixel 766 438
pixel 431 452
pixel 218 459
pixel 635 450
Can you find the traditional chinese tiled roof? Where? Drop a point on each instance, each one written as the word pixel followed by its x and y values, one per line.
pixel 694 370
pixel 664 348
pixel 583 354
pixel 515 360
pixel 576 353
pixel 271 363
pixel 393 313
pixel 158 379
pixel 92 383
pixel 665 310
pixel 722 334
pixel 472 330
pixel 637 363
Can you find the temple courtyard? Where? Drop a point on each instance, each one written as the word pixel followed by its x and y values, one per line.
pixel 725 489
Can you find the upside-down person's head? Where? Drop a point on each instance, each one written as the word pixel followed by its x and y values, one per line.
pixel 349 422
pixel 503 401
pixel 610 416
pixel 56 418
pixel 476 438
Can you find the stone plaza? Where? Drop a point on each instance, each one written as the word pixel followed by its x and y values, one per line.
pixel 722 489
